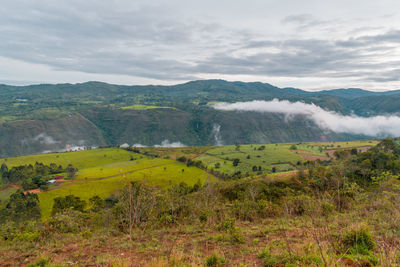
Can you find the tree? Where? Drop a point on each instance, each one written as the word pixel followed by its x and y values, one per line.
pixel 21 207
pixel 293 147
pixel 236 162
pixel 71 171
pixel 4 171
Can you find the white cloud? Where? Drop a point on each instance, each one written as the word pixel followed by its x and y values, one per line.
pixel 167 143
pixel 329 120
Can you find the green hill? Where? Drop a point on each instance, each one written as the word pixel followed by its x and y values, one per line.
pixel 40 118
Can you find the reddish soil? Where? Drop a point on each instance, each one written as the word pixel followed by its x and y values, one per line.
pixel 11 186
pixel 35 191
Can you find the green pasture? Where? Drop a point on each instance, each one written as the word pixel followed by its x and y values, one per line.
pixel 349 144
pixel 6 193
pixel 144 107
pixel 273 155
pixel 79 159
pixel 161 173
pixel 116 168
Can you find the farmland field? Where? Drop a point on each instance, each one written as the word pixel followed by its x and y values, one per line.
pixel 79 159
pixel 160 173
pixel 103 171
pixel 6 193
pixel 260 157
pixel 144 107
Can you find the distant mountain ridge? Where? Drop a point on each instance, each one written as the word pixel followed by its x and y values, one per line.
pixel 101 115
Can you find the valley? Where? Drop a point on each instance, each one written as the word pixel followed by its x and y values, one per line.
pixel 64 117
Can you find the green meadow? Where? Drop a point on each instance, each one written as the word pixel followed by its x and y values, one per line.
pixel 268 156
pixel 103 171
pixel 6 193
pixel 79 159
pixel 159 173
pixel 144 107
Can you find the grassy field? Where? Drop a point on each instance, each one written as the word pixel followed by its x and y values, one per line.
pixel 278 156
pixel 349 144
pixel 79 159
pixel 6 193
pixel 143 107
pixel 175 152
pixel 102 171
pixel 159 173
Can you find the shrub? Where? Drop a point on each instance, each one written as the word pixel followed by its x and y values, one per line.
pixel 245 210
pixel 298 205
pixel 359 242
pixel 27 232
pixel 236 235
pixel 42 262
pixel 214 260
pixel 69 221
pixel 267 209
pixel 284 259
pixel 267 258
pixel 203 217
pixel 227 224
pixel 327 208
pixel 65 203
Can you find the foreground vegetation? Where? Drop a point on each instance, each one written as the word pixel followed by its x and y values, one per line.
pixel 337 212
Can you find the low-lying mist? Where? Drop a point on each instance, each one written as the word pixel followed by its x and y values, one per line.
pixel 165 143
pixel 329 120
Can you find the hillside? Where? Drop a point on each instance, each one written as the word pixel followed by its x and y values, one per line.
pixel 163 207
pixel 99 114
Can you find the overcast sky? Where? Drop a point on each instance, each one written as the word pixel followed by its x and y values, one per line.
pixel 309 44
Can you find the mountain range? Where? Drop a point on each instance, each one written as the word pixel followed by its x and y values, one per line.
pixel 57 117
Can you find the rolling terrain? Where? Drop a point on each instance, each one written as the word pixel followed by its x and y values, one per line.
pixel 304 204
pixel 103 171
pixel 39 118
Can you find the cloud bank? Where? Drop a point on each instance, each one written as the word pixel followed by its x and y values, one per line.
pixel 329 120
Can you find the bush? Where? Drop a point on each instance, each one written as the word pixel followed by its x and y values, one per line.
pixel 68 202
pixel 327 208
pixel 267 258
pixel 298 205
pixel 236 236
pixel 214 260
pixel 27 232
pixel 359 242
pixel 69 221
pixel 227 224
pixel 42 262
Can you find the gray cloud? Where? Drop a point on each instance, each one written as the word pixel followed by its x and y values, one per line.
pixel 174 40
pixel 304 21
